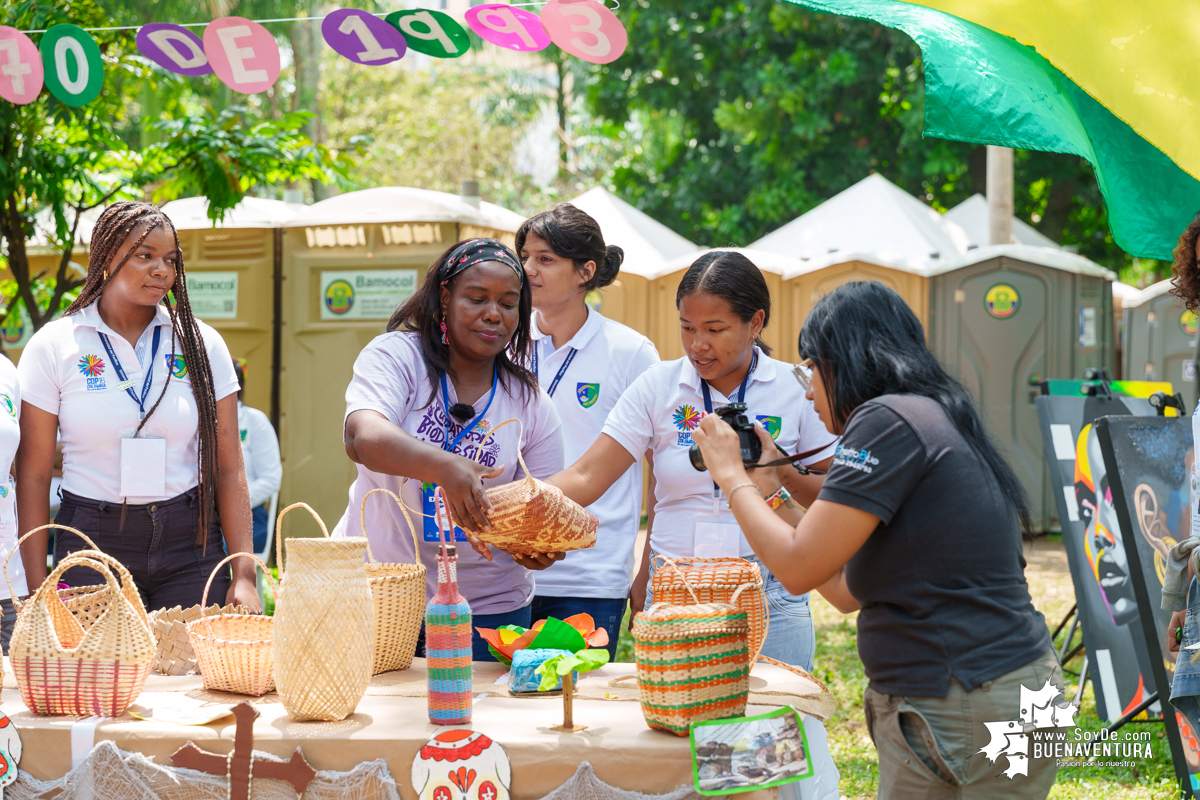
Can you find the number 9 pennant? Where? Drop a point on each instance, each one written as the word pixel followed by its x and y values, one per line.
pixel 585 29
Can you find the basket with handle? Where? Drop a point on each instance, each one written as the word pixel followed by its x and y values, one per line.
pixel 174 652
pixel 399 593
pixel 693 662
pixel 531 516
pixel 234 651
pixel 84 602
pixel 63 668
pixel 715 580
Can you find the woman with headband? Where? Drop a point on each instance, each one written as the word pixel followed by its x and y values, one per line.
pixel 423 399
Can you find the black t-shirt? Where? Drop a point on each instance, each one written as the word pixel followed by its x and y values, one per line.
pixel 941 581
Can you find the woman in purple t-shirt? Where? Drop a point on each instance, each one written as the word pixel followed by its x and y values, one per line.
pixel 424 398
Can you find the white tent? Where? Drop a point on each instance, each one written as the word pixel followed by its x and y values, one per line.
pixel 191 213
pixel 872 216
pixel 767 262
pixel 972 216
pixel 402 204
pixel 648 244
pixel 42 238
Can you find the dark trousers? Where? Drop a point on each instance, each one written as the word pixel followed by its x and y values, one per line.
pixel 606 612
pixel 157 544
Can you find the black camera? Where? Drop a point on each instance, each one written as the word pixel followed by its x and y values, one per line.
pixel 735 415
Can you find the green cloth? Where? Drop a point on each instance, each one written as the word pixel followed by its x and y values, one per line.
pixel 981 86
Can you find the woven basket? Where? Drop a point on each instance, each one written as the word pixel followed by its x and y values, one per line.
pixel 175 655
pixel 324 624
pixel 715 580
pixel 530 516
pixel 64 669
pixel 693 663
pixel 398 591
pixel 234 651
pixel 85 603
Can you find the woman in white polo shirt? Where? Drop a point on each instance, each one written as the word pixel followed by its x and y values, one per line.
pixel 146 399
pixel 585 362
pixel 723 306
pixel 10 437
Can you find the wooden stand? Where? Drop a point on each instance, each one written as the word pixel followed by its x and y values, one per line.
pixel 568 694
pixel 241 766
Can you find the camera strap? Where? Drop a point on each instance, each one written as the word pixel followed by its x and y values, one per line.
pixel 708 409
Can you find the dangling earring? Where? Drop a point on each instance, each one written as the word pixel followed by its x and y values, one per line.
pixel 444 339
pixel 106 276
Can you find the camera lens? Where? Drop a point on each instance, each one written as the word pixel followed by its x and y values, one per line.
pixel 696 457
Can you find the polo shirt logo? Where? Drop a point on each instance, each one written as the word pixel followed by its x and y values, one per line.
pixel 774 425
pixel 686 418
pixel 92 368
pixel 588 394
pixel 177 365
pixel 6 404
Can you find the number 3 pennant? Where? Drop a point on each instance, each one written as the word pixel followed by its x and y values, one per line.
pixel 585 29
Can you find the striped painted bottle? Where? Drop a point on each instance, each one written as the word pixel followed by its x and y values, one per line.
pixel 448 638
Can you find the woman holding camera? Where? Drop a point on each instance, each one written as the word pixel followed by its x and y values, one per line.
pixel 918 524
pixel 723 307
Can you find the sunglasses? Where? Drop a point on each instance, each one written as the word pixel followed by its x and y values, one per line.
pixel 803 372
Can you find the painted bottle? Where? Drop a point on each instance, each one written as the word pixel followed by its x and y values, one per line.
pixel 448 633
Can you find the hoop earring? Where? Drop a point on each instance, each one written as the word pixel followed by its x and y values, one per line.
pixel 445 340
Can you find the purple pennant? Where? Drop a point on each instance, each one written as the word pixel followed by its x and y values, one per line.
pixel 363 38
pixel 173 47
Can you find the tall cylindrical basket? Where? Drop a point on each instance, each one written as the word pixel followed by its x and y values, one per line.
pixel 324 617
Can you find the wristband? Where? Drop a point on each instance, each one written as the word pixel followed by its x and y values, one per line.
pixel 777 499
pixel 729 497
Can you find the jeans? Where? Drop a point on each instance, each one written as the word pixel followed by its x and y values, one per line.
pixel 606 612
pixel 479 647
pixel 1185 686
pixel 157 544
pixel 7 621
pixel 258 516
pixel 790 635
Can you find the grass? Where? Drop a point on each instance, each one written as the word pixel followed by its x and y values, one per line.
pixel 837 664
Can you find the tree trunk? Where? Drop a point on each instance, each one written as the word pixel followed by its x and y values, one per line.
pixel 307 45
pixel 1058 208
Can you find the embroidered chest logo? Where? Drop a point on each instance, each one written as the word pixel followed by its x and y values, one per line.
pixel 243 434
pixel 686 418
pixel 588 394
pixel 774 425
pixel 6 404
pixel 176 365
pixel 92 368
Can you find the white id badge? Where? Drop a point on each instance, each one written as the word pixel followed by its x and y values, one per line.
pixel 1195 499
pixel 715 538
pixel 8 512
pixel 143 466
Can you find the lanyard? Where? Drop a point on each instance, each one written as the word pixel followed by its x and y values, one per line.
pixel 561 370
pixel 446 443
pixel 708 409
pixel 116 362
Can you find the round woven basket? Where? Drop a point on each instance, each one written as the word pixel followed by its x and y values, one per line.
pixel 86 603
pixel 175 654
pixel 64 669
pixel 715 580
pixel 234 651
pixel 399 594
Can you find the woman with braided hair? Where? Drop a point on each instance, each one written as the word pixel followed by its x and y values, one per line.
pixel 145 397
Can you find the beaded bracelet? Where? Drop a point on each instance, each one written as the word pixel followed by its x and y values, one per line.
pixel 729 497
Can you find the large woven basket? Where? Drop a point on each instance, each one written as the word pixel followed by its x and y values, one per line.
pixel 85 603
pixel 530 516
pixel 175 654
pixel 693 663
pixel 715 580
pixel 64 669
pixel 234 651
pixel 399 594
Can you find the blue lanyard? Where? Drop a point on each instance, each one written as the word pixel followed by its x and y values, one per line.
pixel 741 398
pixel 116 362
pixel 446 443
pixel 561 370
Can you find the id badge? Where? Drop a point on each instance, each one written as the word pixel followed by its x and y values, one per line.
pixel 716 538
pixel 8 512
pixel 143 465
pixel 1195 499
pixel 431 531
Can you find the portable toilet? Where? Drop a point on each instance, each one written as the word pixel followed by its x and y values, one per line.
pixel 348 263
pixel 648 246
pixel 873 231
pixel 232 268
pixel 1122 293
pixel 972 216
pixel 665 316
pixel 1004 317
pixel 1160 340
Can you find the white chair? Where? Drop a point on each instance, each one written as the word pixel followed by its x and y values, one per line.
pixel 265 555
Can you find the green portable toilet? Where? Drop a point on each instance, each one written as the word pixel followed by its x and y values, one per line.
pixel 1002 318
pixel 1160 340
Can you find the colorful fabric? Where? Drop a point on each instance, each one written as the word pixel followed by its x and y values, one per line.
pixel 983 86
pixel 476 251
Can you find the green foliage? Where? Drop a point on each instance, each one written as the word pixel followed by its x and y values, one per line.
pixel 553 669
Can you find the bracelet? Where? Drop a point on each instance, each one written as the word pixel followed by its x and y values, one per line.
pixel 777 499
pixel 729 497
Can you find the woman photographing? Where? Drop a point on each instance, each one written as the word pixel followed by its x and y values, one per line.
pixel 918 524
pixel 723 305
pixel 420 412
pixel 145 397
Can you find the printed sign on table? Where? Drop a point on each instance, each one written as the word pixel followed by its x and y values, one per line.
pixel 242 53
pixel 174 48
pixel 213 295
pixel 365 294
